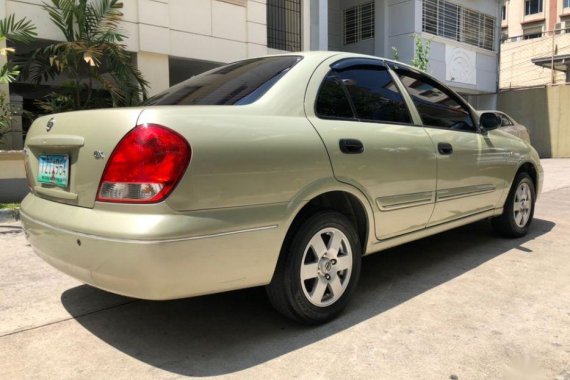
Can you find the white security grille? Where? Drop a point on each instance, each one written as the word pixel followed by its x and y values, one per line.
pixel 358 23
pixel 449 20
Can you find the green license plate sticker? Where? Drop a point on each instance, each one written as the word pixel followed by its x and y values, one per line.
pixel 54 169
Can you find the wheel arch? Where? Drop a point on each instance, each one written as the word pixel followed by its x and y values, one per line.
pixel 529 168
pixel 342 198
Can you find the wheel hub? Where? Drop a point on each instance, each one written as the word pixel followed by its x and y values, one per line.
pixel 325 265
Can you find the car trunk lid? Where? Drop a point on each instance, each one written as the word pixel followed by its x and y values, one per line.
pixel 66 153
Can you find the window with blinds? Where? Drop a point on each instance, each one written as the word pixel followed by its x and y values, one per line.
pixel 358 23
pixel 449 20
pixel 284 24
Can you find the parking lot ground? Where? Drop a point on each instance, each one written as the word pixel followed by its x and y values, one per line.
pixel 464 304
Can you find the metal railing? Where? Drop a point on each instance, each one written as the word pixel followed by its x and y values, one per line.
pixel 453 21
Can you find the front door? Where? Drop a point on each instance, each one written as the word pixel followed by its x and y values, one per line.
pixel 470 169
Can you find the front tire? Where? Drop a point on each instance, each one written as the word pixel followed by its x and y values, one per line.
pixel 318 269
pixel 519 208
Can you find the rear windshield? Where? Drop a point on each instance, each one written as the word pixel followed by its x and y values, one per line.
pixel 238 83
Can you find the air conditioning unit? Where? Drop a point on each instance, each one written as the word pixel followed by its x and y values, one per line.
pixel 562 27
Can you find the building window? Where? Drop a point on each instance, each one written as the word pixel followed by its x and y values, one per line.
pixel 566 3
pixel 358 23
pixel 284 24
pixel 449 20
pixel 532 6
pixel 530 33
pixel 504 12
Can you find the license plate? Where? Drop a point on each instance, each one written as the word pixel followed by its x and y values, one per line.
pixel 54 169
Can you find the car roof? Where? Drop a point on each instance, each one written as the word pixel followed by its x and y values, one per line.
pixel 324 54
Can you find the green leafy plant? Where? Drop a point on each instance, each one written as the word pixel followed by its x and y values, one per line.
pixel 18 31
pixel 92 57
pixel 13 208
pixel 22 31
pixel 421 53
pixel 395 53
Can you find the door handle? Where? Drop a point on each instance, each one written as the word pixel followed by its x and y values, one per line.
pixel 351 146
pixel 444 148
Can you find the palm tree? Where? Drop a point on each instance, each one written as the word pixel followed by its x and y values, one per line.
pixel 18 31
pixel 91 57
pixel 22 31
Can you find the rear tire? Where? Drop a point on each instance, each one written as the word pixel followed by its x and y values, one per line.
pixel 519 208
pixel 318 269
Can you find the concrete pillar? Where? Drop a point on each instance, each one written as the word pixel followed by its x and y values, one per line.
pixel 306 17
pixel 154 68
pixel 319 25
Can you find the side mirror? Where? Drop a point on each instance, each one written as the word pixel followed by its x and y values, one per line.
pixel 489 121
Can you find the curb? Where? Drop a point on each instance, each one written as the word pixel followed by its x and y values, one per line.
pixel 9 215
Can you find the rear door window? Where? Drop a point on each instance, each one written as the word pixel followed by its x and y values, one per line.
pixel 364 91
pixel 238 83
pixel 332 100
pixel 375 95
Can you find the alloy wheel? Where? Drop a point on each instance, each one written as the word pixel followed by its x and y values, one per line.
pixel 326 267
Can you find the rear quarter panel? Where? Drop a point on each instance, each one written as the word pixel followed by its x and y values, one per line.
pixel 241 156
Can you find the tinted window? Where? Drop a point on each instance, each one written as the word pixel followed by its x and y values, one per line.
pixel 332 101
pixel 375 95
pixel 437 106
pixel 236 84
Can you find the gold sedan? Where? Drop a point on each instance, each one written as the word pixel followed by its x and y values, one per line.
pixel 280 171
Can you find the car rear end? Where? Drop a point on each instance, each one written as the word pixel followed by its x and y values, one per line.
pixel 163 202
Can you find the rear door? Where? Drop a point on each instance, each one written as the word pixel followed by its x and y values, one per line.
pixel 373 143
pixel 470 166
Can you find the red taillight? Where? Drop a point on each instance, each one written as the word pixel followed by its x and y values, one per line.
pixel 145 166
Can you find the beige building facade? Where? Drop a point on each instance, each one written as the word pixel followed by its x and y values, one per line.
pixel 535 48
pixel 174 39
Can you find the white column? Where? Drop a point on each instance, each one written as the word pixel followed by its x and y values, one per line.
pixel 154 68
pixel 319 25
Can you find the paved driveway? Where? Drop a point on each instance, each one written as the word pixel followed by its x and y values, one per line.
pixel 464 304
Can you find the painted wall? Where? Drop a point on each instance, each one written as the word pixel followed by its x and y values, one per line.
pixel 517 69
pixel 545 112
pixel 212 30
pixel 209 30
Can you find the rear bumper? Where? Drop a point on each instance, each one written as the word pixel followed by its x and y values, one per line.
pixel 159 268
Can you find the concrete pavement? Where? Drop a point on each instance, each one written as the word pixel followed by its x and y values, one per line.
pixel 464 304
